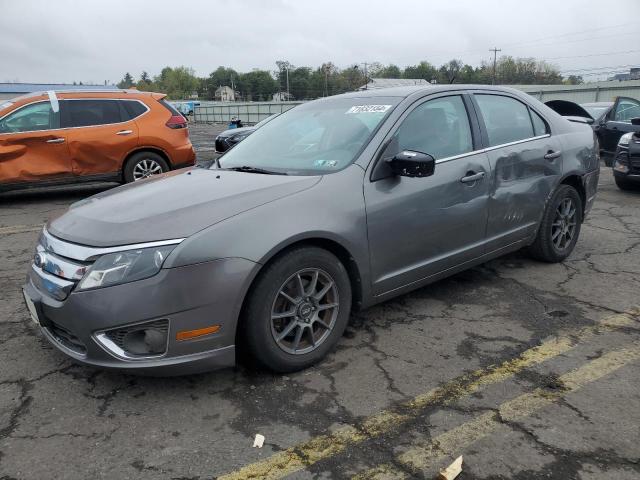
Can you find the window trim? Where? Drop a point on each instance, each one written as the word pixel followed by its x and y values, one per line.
pixel 148 109
pixel 483 127
pixel 474 127
pixel 105 99
pixel 28 105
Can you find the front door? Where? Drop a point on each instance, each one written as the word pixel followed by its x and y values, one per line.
pixel 526 164
pixel 419 227
pixel 618 122
pixel 32 146
pixel 100 135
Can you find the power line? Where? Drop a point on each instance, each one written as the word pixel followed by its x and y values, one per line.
pixel 495 56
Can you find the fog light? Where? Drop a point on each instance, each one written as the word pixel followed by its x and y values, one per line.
pixel 146 341
pixel 136 341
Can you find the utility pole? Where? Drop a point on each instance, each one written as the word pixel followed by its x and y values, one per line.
pixel 366 78
pixel 495 56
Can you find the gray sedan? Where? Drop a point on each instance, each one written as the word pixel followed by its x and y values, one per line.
pixel 333 206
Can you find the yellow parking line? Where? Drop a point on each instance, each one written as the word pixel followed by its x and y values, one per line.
pixel 19 229
pixel 303 455
pixel 449 444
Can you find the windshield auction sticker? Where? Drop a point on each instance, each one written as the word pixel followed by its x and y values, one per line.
pixel 369 109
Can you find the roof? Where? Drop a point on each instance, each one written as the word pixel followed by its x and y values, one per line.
pixel 19 88
pixel 393 82
pixel 431 88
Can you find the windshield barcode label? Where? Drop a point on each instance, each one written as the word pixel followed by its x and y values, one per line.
pixel 369 109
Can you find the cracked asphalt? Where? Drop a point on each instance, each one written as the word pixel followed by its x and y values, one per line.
pixel 528 370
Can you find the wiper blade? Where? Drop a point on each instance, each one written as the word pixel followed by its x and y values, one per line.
pixel 249 169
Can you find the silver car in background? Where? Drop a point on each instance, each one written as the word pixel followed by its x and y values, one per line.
pixel 335 205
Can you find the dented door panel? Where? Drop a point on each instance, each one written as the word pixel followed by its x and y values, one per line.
pixel 34 156
pixel 521 181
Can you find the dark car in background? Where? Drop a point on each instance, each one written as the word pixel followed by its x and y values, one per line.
pixel 228 138
pixel 610 120
pixel 626 165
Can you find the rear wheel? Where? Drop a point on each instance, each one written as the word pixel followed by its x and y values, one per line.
pixel 560 226
pixel 297 310
pixel 143 165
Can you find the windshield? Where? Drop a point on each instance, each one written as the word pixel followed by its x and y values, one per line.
pixel 314 138
pixel 596 111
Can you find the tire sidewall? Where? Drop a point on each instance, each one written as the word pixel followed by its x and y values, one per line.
pixel 257 316
pixel 563 192
pixel 137 158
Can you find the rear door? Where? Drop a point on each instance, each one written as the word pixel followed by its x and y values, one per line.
pixel 526 164
pixel 32 146
pixel 618 122
pixel 101 134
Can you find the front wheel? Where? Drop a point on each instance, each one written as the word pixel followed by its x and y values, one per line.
pixel 143 165
pixel 560 226
pixel 297 310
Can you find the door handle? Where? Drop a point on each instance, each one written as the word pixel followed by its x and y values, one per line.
pixel 551 155
pixel 472 177
pixel 56 140
pixel 124 132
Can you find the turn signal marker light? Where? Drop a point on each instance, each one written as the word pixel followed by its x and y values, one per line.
pixel 200 332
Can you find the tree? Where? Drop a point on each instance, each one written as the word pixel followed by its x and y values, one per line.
pixel 423 70
pixel 449 72
pixel 127 81
pixel 177 83
pixel 574 80
pixel 220 77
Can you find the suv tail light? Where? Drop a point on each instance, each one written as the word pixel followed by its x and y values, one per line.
pixel 176 121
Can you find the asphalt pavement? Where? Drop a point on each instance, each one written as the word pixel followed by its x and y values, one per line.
pixel 528 370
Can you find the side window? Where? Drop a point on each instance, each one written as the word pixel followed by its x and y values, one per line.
pixel 626 110
pixel 506 119
pixel 86 113
pixel 539 125
pixel 32 118
pixel 132 109
pixel 438 127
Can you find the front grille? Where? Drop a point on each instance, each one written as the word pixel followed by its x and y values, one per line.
pixel 67 339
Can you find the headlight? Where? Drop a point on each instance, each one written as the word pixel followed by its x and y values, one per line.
pixel 625 139
pixel 124 267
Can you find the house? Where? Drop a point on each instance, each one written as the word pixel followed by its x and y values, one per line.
pixel 12 90
pixel 393 82
pixel 225 94
pixel 282 97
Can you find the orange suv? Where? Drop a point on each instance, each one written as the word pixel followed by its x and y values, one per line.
pixel 61 137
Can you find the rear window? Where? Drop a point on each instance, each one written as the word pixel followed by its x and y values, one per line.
pixel 170 107
pixel 506 119
pixel 86 113
pixel 132 109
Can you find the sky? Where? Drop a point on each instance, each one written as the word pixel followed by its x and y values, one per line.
pixel 97 41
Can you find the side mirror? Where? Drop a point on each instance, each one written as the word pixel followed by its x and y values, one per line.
pixel 635 121
pixel 412 164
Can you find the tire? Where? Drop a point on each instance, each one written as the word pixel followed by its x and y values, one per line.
pixel 142 165
pixel 624 184
pixel 549 245
pixel 259 330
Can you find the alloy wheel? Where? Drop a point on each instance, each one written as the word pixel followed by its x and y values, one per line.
pixel 563 227
pixel 304 311
pixel 145 168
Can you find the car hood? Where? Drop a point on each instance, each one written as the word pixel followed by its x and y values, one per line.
pixel 174 205
pixel 236 131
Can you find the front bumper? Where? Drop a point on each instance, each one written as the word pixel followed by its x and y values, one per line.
pixel 190 298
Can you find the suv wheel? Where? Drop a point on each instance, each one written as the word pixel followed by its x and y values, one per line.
pixel 560 226
pixel 297 310
pixel 143 165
